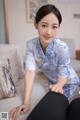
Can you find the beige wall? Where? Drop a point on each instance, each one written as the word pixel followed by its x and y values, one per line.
pixel 20 30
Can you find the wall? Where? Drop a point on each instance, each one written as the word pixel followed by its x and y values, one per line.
pixel 20 30
pixel 2 26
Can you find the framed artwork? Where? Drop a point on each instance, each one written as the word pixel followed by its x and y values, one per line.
pixel 32 6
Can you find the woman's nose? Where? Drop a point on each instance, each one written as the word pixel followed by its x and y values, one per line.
pixel 49 31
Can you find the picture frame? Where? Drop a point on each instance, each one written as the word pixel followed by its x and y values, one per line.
pixel 31 8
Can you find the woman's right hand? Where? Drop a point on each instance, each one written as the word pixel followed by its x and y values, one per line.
pixel 15 112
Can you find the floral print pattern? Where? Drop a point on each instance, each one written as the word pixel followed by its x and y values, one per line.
pixel 54 62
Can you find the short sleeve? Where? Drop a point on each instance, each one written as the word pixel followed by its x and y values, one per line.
pixel 29 57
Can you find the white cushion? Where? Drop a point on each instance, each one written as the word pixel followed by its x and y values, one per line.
pixel 75 64
pixel 71 45
pixel 7 88
pixel 10 52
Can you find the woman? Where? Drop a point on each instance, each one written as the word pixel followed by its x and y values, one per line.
pixel 74 110
pixel 51 55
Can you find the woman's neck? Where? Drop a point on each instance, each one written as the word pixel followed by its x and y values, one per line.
pixel 43 46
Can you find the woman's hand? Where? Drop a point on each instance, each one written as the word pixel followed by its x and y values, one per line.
pixel 56 88
pixel 15 112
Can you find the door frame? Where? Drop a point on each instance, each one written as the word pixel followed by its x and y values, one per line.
pixel 6 26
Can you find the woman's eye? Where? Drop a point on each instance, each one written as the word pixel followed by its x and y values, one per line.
pixel 54 27
pixel 44 26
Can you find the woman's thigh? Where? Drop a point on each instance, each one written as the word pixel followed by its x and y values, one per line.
pixel 53 106
pixel 74 110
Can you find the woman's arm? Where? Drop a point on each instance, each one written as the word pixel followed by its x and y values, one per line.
pixel 28 82
pixel 63 66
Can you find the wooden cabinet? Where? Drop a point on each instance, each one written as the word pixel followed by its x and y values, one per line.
pixel 78 54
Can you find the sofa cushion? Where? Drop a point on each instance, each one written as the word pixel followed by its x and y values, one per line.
pixel 71 45
pixel 76 65
pixel 7 88
pixel 10 51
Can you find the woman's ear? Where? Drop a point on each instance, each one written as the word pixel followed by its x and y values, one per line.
pixel 35 24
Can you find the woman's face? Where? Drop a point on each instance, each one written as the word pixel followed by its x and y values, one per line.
pixel 47 28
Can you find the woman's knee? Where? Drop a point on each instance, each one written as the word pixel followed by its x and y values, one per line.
pixel 57 98
pixel 56 104
pixel 74 110
pixel 52 106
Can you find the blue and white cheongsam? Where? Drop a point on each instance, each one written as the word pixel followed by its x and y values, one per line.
pixel 54 62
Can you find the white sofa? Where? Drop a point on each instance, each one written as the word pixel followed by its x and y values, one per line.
pixel 40 87
pixel 75 63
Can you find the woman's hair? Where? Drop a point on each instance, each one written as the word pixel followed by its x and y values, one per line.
pixel 45 10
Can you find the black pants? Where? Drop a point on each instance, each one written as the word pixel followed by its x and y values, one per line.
pixel 74 110
pixel 53 106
